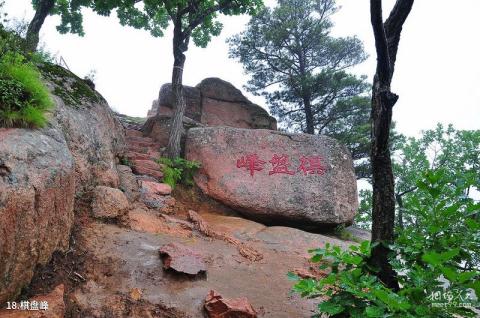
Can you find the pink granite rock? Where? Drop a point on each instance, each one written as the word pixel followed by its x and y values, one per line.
pixel 275 177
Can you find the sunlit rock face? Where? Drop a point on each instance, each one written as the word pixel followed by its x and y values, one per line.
pixel 275 177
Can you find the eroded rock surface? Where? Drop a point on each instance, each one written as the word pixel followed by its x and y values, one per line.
pixel 123 260
pixel 42 170
pixel 213 102
pixel 37 190
pixel 275 177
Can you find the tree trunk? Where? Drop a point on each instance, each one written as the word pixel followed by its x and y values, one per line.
pixel 33 32
pixel 180 45
pixel 387 37
pixel 309 116
pixel 383 213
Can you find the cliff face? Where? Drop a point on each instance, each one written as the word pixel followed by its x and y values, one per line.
pixel 43 171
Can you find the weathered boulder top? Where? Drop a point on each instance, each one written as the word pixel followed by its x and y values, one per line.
pixel 276 177
pixel 215 102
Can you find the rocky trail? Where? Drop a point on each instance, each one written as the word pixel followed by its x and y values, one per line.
pixel 118 242
pixel 114 268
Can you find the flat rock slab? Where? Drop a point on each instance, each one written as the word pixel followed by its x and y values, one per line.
pixel 124 259
pixel 182 259
pixel 275 177
pixel 219 307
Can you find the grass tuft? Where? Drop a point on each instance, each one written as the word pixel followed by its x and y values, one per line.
pixel 24 99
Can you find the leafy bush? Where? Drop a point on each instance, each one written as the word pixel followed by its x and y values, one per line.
pixel 436 261
pixel 178 170
pixel 24 99
pixel 124 161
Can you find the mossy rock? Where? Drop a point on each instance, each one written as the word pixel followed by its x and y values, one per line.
pixel 74 91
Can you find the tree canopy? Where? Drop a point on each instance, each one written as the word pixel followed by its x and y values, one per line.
pixel 299 67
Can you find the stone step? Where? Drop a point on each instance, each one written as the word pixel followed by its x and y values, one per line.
pixel 131 155
pixel 156 187
pixel 149 164
pixel 143 150
pixel 148 172
pixel 150 144
pixel 133 133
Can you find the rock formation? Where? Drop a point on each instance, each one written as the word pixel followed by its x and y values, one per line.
pixel 154 109
pixel 275 177
pixel 213 102
pixel 138 248
pixel 41 172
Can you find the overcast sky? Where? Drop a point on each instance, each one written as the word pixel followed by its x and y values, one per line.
pixel 437 73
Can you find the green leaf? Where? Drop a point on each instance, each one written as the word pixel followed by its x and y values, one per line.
pixel 476 287
pixel 365 247
pixel 330 308
pixel 372 311
pixel 435 258
pixel 466 276
pixel 450 274
pixel 293 277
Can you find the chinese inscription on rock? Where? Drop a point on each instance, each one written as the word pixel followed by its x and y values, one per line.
pixel 280 164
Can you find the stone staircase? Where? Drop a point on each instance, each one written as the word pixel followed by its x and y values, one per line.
pixel 142 153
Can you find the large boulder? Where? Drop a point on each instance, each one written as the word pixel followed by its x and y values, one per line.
pixel 43 170
pixel 158 128
pixel 224 105
pixel 215 102
pixel 192 99
pixel 94 135
pixel 37 190
pixel 275 177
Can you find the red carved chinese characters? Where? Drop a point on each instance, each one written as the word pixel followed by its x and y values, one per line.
pixel 251 162
pixel 312 165
pixel 280 165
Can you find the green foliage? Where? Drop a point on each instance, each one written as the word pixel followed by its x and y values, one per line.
pixel 77 93
pixel 24 99
pixel 124 161
pixel 178 170
pixel 443 249
pixel 457 152
pixel 363 218
pixel 342 233
pixel 197 17
pixel 70 12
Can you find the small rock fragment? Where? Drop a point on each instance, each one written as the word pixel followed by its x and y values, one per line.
pixel 156 188
pixel 219 307
pixel 182 259
pixel 108 202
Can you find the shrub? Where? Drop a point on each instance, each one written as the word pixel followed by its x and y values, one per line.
pixel 24 99
pixel 178 170
pixel 436 261
pixel 124 161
